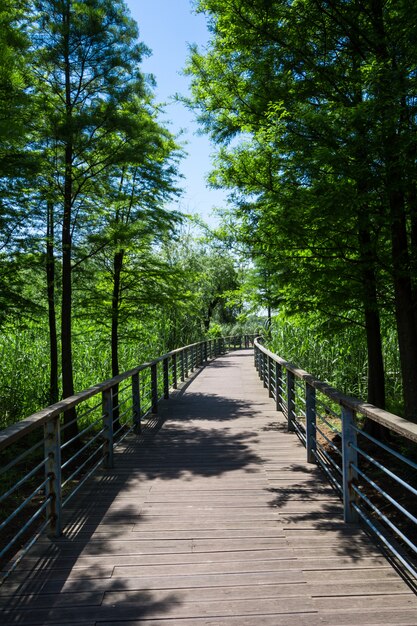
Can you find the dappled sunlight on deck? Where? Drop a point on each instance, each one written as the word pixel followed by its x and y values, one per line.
pixel 213 517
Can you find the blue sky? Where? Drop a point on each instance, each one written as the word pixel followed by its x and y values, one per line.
pixel 167 27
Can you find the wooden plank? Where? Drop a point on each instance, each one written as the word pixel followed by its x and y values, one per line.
pixel 374 617
pixel 162 605
pixel 405 600
pixel 287 579
pixel 298 619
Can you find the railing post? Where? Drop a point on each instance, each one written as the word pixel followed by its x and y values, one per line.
pixel 186 362
pixel 259 368
pixel 350 458
pixel 290 400
pixel 205 358
pixel 154 388
pixel 182 366
pixel 278 385
pixel 107 404
pixel 166 377
pixel 311 435
pixel 136 402
pixel 265 370
pixel 52 443
pixel 270 378
pixel 174 372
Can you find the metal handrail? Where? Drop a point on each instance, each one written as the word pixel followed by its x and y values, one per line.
pixel 54 465
pixel 341 456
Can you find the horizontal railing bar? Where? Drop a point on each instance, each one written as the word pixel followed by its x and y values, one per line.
pixel 82 481
pixel 385 519
pixel 124 400
pixel 21 457
pixel 386 448
pixel 80 467
pixel 23 551
pixel 386 495
pixel 384 540
pixel 24 528
pixel 300 432
pixel 23 504
pixel 81 450
pixel 23 480
pixel 329 458
pixel 81 416
pixel 82 432
pixel 118 430
pixel 395 423
pixel 125 434
pixel 327 409
pixel 334 430
pixel 329 441
pixel 386 470
pixel 324 467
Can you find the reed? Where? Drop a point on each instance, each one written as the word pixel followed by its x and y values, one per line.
pixel 338 357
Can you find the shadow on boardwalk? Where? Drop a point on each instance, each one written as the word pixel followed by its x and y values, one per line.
pixel 37 593
pixel 216 520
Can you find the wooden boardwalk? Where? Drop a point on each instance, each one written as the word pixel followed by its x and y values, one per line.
pixel 217 519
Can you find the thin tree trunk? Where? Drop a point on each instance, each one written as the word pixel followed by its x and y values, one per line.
pixel 391 115
pixel 50 279
pixel 404 305
pixel 117 271
pixel 376 373
pixel 66 312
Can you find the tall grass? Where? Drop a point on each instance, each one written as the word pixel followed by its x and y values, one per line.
pixel 339 358
pixel 24 362
pixel 24 375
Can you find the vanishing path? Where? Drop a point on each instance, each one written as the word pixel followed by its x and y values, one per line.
pixel 216 519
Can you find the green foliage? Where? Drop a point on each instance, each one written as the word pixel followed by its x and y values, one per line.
pixel 215 331
pixel 337 357
pixel 312 110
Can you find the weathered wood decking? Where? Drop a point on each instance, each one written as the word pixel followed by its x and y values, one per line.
pixel 216 520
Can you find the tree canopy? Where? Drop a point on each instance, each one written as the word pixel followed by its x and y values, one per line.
pixel 312 107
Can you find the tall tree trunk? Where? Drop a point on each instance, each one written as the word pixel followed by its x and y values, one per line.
pixel 404 302
pixel 66 312
pixel 390 94
pixel 115 306
pixel 376 374
pixel 411 197
pixel 50 279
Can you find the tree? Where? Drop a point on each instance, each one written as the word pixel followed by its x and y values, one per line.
pixel 307 86
pixel 133 222
pixel 18 163
pixel 86 57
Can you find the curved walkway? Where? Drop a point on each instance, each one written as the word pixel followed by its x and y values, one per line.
pixel 216 520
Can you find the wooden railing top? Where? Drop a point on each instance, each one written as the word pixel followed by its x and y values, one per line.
pixel 394 422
